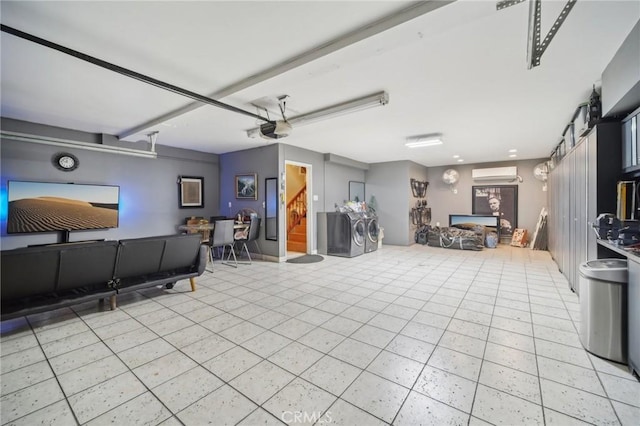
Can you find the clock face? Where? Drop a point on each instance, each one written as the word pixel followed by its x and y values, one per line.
pixel 66 162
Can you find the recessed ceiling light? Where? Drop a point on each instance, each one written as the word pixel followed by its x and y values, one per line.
pixel 512 155
pixel 456 156
pixel 513 150
pixel 460 160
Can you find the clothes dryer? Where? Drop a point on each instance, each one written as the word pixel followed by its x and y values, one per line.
pixel 345 234
pixel 372 232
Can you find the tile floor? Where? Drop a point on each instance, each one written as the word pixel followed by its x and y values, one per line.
pixel 404 336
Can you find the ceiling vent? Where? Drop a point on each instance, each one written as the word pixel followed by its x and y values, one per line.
pixel 496 173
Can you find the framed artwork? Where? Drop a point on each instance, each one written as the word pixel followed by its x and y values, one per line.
pixel 190 192
pixel 246 188
pixel 501 201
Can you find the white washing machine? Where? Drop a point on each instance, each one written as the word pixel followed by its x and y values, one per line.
pixel 345 234
pixel 372 232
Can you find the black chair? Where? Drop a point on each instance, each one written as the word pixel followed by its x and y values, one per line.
pixel 252 234
pixel 223 237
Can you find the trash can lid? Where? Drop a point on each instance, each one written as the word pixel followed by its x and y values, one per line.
pixel 614 270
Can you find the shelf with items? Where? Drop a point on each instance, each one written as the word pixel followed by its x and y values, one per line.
pixel 631 142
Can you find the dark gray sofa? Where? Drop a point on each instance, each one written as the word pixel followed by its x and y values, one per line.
pixel 38 279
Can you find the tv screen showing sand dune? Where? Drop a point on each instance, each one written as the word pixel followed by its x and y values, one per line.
pixel 48 207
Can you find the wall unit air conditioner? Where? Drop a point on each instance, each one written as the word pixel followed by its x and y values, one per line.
pixel 496 173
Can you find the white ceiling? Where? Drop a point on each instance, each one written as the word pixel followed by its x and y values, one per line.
pixel 459 70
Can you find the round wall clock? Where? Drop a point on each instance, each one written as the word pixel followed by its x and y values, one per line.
pixel 65 161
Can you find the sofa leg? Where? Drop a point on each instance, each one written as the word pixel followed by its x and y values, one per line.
pixel 193 283
pixel 112 302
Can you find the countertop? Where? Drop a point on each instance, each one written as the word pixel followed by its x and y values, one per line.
pixel 625 251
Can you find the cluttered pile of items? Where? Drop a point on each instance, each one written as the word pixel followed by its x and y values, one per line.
pixel 458 238
pixel 623 228
pixel 624 233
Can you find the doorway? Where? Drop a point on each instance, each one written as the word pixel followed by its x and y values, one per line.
pixel 298 209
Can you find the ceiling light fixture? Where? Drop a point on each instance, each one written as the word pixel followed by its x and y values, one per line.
pixel 355 105
pixel 460 160
pixel 513 150
pixel 513 155
pixel 422 141
pixel 456 156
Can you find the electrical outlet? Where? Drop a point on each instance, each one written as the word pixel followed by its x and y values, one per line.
pixel 229 204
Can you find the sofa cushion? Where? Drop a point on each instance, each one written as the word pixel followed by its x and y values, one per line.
pixel 87 265
pixel 29 270
pixel 139 257
pixel 181 251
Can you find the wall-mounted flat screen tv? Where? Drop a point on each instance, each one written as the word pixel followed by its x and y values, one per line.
pixel 51 207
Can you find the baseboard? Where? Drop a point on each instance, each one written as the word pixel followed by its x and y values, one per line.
pixel 268 258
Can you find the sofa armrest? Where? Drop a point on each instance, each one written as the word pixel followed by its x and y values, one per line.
pixel 203 258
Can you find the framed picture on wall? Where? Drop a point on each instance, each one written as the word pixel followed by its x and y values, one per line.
pixel 501 201
pixel 190 192
pixel 246 188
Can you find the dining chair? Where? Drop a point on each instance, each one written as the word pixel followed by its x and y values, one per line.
pixel 251 234
pixel 223 238
pixel 213 220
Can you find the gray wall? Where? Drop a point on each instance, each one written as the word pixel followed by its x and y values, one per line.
pixel 263 161
pixel 621 78
pixel 389 183
pixel 148 187
pixel 443 201
pixel 336 187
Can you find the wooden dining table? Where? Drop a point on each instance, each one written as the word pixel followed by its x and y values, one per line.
pixel 197 228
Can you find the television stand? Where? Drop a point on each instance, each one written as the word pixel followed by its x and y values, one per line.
pixel 64 239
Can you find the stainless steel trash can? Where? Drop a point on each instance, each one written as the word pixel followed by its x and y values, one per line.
pixel 603 308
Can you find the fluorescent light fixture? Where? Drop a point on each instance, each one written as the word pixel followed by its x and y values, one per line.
pixel 355 105
pixel 456 156
pixel 422 141
pixel 513 155
pixel 79 145
pixel 460 160
pixel 513 150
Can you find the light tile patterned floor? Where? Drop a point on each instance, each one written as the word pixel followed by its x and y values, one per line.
pixel 404 336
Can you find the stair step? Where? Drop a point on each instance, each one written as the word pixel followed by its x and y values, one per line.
pixel 298 230
pixel 301 238
pixel 297 246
